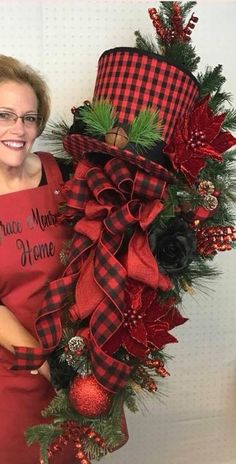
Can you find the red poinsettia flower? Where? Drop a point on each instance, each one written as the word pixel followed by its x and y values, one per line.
pixel 198 136
pixel 147 321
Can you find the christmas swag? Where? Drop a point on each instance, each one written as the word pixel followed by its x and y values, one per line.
pixel 150 203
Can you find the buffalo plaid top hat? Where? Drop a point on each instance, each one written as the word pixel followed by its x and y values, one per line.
pixel 133 80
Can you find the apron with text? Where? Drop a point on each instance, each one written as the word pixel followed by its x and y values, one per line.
pixel 30 243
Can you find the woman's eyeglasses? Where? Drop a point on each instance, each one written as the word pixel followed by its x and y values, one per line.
pixel 8 118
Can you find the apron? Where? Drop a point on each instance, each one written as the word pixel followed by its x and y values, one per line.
pixel 30 243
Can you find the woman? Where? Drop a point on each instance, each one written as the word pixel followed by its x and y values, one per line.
pixel 30 243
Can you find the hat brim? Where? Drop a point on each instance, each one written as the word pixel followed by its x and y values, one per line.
pixel 79 146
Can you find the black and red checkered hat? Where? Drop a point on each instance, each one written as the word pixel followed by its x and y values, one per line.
pixel 134 80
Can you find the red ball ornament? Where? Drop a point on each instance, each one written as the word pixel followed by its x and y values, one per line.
pixel 88 397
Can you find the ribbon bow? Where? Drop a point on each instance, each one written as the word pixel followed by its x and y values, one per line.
pixel 115 205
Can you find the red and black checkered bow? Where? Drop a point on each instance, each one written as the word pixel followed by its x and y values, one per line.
pixel 109 201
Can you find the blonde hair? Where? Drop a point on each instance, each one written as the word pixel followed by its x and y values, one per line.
pixel 14 70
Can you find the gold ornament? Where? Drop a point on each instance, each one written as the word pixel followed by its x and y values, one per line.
pixel 210 202
pixel 206 187
pixel 117 137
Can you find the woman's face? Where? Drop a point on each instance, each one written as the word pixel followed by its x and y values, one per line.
pixel 16 137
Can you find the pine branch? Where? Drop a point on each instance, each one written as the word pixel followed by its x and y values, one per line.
pixel 144 43
pixel 187 7
pixel 211 81
pixel 182 54
pixel 44 434
pixel 145 129
pixel 54 135
pixel 166 10
pixel 217 101
pixel 197 276
pixel 230 120
pixel 61 408
pixel 131 400
pixel 98 118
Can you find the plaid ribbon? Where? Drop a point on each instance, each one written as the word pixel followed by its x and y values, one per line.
pixel 48 324
pixel 108 201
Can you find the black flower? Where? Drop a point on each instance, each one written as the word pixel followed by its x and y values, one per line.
pixel 173 248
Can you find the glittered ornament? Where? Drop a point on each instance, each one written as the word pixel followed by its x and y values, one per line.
pixel 76 343
pixel 210 202
pixel 210 240
pixel 88 397
pixel 117 137
pixel 69 358
pixel 206 187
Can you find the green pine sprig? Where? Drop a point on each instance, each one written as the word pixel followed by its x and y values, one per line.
pixel 230 120
pixel 186 8
pixel 99 117
pixel 211 83
pixel 196 276
pixel 54 135
pixel 218 100
pixel 145 130
pixel 182 54
pixel 44 435
pixel 166 11
pixel 145 43
pixel 211 80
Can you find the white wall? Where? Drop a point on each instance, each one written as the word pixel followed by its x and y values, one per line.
pixel 196 420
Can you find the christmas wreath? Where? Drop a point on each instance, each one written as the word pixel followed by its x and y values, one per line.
pixel 151 204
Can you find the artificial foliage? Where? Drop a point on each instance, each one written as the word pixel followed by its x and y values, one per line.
pixel 99 119
pixel 179 236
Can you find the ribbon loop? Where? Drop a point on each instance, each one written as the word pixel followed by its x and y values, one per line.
pixel 122 218
pixel 148 186
pixel 121 174
pixel 102 188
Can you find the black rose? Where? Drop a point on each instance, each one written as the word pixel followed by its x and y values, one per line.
pixel 175 247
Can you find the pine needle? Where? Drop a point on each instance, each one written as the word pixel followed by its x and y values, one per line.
pixel 187 7
pixel 144 43
pixel 230 120
pixel 217 101
pixel 210 81
pixel 146 129
pixel 99 118
pixel 44 434
pixel 182 54
pixel 54 134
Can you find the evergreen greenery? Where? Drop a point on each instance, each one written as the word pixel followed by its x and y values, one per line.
pixel 145 129
pixel 182 54
pixel 230 120
pixel 54 135
pixel 45 435
pixel 186 8
pixel 218 100
pixel 196 276
pixel 211 80
pixel 145 43
pixel 98 118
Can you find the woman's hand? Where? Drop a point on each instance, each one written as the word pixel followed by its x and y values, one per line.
pixel 44 370
pixel 13 333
